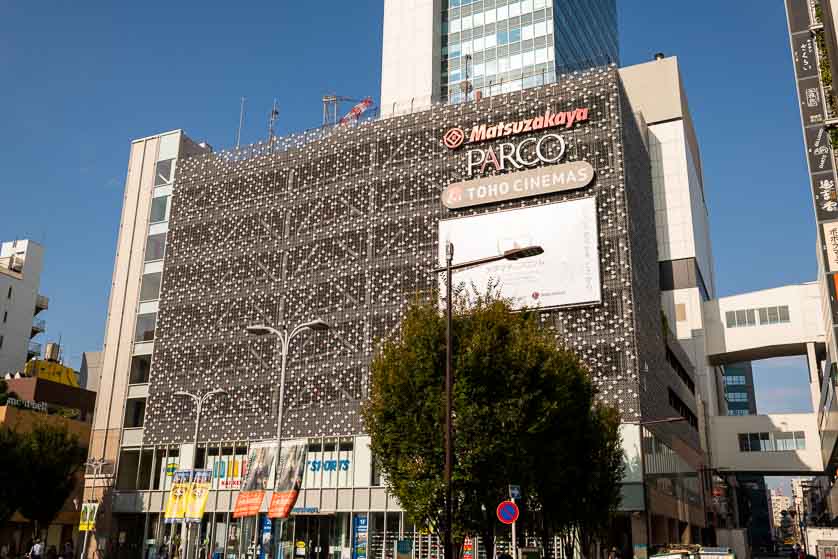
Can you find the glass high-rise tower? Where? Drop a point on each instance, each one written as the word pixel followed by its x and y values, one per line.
pixel 451 50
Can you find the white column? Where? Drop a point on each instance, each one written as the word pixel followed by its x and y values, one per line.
pixel 814 376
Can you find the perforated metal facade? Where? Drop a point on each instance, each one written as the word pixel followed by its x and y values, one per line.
pixel 342 225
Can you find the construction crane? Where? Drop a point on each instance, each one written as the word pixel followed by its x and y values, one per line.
pixel 331 105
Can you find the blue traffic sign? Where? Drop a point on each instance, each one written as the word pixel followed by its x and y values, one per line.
pixel 508 512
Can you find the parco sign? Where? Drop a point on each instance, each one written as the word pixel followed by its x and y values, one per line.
pixel 508 156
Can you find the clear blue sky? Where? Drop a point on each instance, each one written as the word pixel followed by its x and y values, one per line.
pixel 79 80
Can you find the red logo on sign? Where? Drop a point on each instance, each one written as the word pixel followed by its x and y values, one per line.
pixel 454 138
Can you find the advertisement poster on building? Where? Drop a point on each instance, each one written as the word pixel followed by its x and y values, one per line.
pixel 468 548
pixel 260 461
pixel 289 479
pixel 176 505
pixel 196 497
pixel 265 537
pixel 87 521
pixel 227 471
pixel 359 537
pixel 567 273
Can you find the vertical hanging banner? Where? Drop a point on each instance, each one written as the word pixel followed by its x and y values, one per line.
pixel 289 479
pixel 196 497
pixel 176 506
pixel 260 461
pixel 87 521
pixel 359 537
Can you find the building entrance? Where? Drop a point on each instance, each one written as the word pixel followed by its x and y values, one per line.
pixel 325 536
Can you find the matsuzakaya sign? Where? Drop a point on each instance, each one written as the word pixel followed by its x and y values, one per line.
pixel 456 137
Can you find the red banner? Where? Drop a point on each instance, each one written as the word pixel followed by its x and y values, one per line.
pixel 248 503
pixel 292 461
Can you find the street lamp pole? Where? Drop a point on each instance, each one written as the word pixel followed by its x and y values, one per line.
pixel 449 269
pixel 199 404
pixel 283 343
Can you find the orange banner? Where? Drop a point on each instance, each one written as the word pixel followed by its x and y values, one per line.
pixel 292 461
pixel 248 503
pixel 282 503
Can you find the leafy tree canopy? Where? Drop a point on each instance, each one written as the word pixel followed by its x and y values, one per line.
pixel 524 414
pixel 37 472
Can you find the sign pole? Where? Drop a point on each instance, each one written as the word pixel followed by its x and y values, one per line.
pixel 514 542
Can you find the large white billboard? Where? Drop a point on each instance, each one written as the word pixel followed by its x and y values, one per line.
pixel 567 273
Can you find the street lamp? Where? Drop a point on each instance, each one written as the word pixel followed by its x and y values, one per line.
pixel 449 268
pixel 199 404
pixel 284 339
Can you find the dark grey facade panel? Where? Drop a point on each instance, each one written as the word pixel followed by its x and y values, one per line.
pixel 342 225
pixel 683 273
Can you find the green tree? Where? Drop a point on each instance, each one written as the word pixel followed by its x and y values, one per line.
pixel 11 470
pixel 51 458
pixel 4 393
pixel 524 414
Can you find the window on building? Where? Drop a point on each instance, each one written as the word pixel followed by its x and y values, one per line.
pixel 1 342
pixel 774 315
pixel 9 293
pixel 159 209
pixel 734 380
pixel 164 172
pixel 134 413
pixel 155 248
pixel 738 412
pixel 140 369
pixel 680 312
pixel 144 331
pixel 738 319
pixel 772 442
pixel 150 287
pixel 5 316
pixel 737 396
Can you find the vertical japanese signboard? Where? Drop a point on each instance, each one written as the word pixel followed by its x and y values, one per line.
pixel 818 148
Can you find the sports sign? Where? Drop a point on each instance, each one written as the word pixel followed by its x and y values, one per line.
pixel 507 512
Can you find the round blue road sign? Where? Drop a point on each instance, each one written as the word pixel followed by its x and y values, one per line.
pixel 507 512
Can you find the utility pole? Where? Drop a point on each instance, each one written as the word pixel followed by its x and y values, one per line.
pixel 241 122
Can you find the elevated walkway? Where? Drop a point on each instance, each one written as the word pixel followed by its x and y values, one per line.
pixel 780 322
pixel 777 322
pixel 777 444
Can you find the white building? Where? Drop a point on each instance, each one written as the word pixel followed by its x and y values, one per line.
pixel 21 263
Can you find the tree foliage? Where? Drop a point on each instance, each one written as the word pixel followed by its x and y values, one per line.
pixel 524 414
pixel 37 472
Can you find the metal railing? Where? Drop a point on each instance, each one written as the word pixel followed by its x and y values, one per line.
pixel 34 349
pixel 39 324
pixel 42 302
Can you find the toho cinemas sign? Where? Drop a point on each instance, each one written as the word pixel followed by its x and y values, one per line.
pixel 526 159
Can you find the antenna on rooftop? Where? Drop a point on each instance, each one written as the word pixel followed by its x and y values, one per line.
pixel 241 122
pixel 272 122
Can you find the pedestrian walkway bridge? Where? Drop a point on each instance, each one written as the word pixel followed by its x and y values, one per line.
pixel 780 322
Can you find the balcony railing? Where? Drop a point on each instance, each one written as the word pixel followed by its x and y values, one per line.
pixel 34 349
pixel 41 303
pixel 39 325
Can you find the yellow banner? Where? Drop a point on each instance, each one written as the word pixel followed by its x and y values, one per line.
pixel 87 521
pixel 176 506
pixel 196 497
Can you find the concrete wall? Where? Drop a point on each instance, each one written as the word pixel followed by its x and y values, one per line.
pixel 727 456
pixel 19 309
pixel 747 343
pixel 410 60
